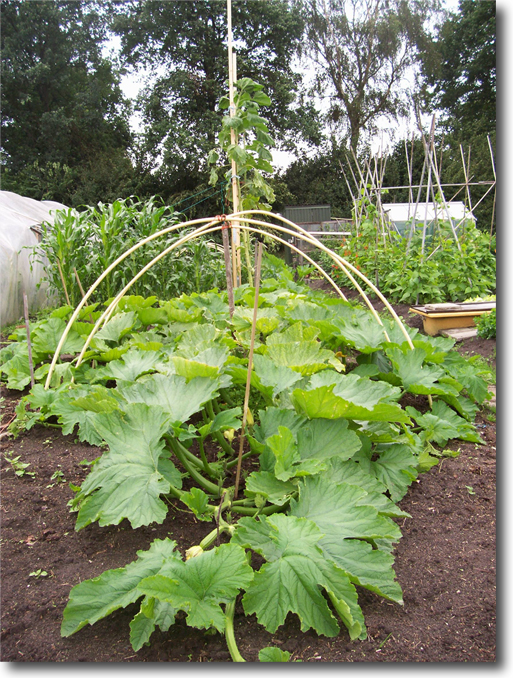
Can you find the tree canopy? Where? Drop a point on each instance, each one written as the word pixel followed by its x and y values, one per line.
pixel 463 78
pixel 65 123
pixel 184 44
pixel 363 50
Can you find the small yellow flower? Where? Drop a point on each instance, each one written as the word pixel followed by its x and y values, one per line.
pixel 193 552
pixel 228 434
pixel 249 418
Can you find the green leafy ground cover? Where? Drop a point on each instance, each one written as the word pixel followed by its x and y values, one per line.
pixel 339 430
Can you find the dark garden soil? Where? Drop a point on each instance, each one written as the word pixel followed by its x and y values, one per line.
pixel 445 564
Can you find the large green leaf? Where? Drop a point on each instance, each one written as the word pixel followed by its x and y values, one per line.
pixel 336 509
pixel 70 415
pixel 273 654
pixel 207 363
pixel 321 439
pixel 284 448
pixel 442 423
pixel 152 613
pixel 47 335
pixel 351 472
pixel 396 467
pixel 292 579
pixel 267 320
pixel 468 375
pixel 417 377
pixel 277 377
pixel 364 332
pixel 179 398
pixel 340 506
pixel 298 349
pixel 133 363
pixel 201 584
pixel 17 370
pixel 126 482
pixel 117 327
pixel 356 389
pixel 274 417
pixel 93 599
pixel 323 403
pixel 269 486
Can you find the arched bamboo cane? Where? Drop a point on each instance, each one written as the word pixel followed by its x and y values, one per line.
pixel 93 287
pixel 344 265
pixel 207 228
pixel 104 318
pixel 108 313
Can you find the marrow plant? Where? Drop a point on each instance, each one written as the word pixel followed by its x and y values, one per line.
pixel 329 448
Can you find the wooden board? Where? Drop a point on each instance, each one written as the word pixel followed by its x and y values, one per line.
pixel 473 308
pixel 438 317
pixel 434 325
pixel 460 333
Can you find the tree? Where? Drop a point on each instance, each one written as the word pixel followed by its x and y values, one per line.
pixel 64 124
pixel 461 84
pixel 363 50
pixel 317 180
pixel 184 44
pixel 463 79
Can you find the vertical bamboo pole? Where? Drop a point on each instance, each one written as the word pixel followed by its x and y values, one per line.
pixel 29 343
pixel 495 179
pixel 258 268
pixel 466 173
pixel 229 279
pixel 232 69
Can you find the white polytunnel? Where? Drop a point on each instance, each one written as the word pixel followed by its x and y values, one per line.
pixel 21 222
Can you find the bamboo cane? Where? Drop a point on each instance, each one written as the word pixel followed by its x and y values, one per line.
pixel 209 227
pixel 29 343
pixel 232 67
pixel 258 269
pixel 229 280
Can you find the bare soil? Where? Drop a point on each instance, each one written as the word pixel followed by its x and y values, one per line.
pixel 445 564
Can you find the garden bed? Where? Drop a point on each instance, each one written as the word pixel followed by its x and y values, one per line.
pixel 445 564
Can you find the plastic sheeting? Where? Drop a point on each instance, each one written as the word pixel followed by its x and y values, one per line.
pixel 20 225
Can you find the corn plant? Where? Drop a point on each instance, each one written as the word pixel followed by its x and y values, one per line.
pixel 79 246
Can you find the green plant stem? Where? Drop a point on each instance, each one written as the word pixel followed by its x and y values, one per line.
pixel 206 466
pixel 226 397
pixel 233 462
pixel 207 541
pixel 219 437
pixel 229 633
pixel 189 455
pixel 209 487
pixel 175 492
pixel 266 511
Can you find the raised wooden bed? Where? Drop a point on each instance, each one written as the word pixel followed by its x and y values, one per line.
pixel 437 317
